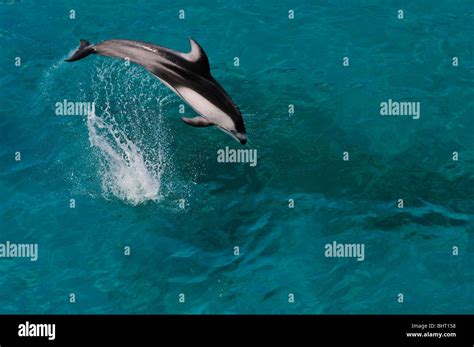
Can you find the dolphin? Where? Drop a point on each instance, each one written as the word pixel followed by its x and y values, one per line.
pixel 186 74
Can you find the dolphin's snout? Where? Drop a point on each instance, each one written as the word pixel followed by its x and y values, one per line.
pixel 242 138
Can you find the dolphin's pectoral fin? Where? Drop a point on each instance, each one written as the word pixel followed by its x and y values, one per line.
pixel 198 122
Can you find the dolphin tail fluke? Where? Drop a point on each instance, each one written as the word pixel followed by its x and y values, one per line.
pixel 85 49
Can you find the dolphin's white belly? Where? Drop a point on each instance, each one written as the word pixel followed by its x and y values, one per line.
pixel 205 108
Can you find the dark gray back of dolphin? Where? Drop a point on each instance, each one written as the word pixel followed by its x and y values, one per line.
pixel 187 74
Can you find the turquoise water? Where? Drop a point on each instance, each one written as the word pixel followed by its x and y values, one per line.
pixel 134 200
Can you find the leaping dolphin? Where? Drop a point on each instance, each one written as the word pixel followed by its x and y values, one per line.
pixel 186 74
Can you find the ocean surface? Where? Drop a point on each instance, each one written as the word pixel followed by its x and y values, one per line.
pixel 130 164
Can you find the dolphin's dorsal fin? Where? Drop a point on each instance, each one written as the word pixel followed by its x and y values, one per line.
pixel 198 57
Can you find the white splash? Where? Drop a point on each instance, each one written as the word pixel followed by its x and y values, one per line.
pixel 125 172
pixel 130 170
